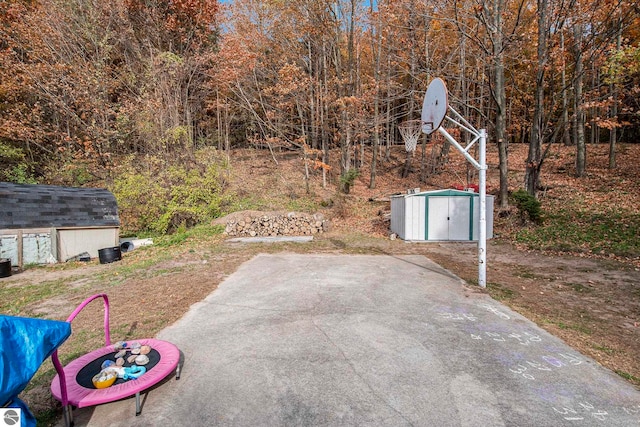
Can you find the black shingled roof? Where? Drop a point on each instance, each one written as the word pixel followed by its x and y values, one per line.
pixel 38 206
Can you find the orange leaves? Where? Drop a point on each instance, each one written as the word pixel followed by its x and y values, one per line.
pixel 180 15
pixel 310 152
pixel 12 11
pixel 233 61
pixel 83 80
pixel 291 79
pixel 312 158
pixel 317 164
pixel 183 14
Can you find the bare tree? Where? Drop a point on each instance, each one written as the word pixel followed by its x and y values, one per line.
pixel 499 38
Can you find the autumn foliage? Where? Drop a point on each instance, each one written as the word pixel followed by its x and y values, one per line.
pixel 87 86
pixel 84 83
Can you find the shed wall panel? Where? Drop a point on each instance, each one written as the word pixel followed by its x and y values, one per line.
pixel 398 216
pixel 9 248
pixel 76 241
pixel 415 218
pixel 36 249
pixel 476 217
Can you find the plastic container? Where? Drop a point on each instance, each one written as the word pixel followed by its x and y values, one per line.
pixel 5 267
pixel 109 255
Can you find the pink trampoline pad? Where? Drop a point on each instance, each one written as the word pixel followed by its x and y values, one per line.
pixel 81 397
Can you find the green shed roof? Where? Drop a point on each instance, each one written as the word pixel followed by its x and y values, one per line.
pixel 449 193
pixel 441 193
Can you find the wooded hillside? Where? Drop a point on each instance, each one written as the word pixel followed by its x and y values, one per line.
pixel 93 90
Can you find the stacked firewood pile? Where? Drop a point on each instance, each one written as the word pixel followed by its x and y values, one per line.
pixel 289 224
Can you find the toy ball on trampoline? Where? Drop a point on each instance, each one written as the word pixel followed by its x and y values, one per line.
pixel 104 379
pixel 107 364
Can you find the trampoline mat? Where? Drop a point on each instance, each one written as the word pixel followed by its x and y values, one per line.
pixel 86 374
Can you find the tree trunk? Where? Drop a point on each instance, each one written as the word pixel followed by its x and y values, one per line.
pixel 613 90
pixel 389 134
pixel 218 120
pixel 581 147
pixel 407 165
pixel 501 101
pixel 413 67
pixel 532 171
pixel 324 113
pixel 566 124
pixel 376 49
pixel 313 119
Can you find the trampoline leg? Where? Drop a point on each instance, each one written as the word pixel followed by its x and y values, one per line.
pixel 178 372
pixel 67 412
pixel 138 409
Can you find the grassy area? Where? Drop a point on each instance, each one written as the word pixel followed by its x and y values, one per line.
pixel 578 327
pixel 580 230
pixel 14 299
pixel 627 376
pixel 500 292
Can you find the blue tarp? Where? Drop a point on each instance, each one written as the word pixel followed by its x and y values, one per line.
pixel 24 344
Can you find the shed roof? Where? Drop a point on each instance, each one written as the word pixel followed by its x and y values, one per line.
pixel 39 206
pixel 441 193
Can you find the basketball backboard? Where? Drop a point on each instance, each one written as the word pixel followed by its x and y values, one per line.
pixel 434 106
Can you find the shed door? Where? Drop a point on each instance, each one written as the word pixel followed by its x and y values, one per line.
pixel 460 218
pixel 437 218
pixel 448 218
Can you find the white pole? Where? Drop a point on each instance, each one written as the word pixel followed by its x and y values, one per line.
pixel 482 232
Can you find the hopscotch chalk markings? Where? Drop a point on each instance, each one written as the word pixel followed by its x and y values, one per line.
pixel 458 316
pixel 495 311
pixel 525 338
pixel 522 370
pixel 582 410
pixel 573 360
pixel 550 364
pixel 585 410
pixel 552 361
pixel 634 410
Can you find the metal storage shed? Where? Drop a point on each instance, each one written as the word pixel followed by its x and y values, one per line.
pixel 45 224
pixel 439 215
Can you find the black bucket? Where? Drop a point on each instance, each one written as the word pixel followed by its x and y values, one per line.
pixel 5 267
pixel 109 255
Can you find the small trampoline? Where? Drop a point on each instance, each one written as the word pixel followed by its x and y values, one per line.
pixel 73 385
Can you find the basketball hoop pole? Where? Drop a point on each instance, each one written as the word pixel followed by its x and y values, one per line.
pixel 481 165
pixel 434 110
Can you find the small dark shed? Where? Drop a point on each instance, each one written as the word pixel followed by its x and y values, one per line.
pixel 46 224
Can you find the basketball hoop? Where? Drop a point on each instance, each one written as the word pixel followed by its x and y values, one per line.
pixel 434 110
pixel 410 131
pixel 434 106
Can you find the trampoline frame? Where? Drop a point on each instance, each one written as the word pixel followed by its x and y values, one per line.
pixel 65 388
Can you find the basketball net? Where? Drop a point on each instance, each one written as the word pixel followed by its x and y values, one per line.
pixel 410 131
